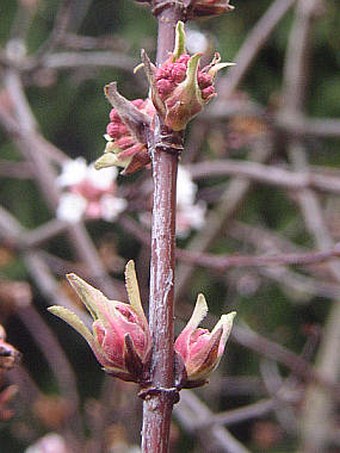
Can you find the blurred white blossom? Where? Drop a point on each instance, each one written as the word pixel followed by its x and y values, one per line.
pixel 88 193
pixel 190 217
pixel 186 188
pixel 50 443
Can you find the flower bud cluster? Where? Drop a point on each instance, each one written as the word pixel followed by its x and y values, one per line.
pixel 121 341
pixel 180 88
pixel 199 350
pixel 173 73
pixel 123 149
pixel 120 337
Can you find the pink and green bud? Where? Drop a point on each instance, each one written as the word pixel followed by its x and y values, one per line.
pixel 120 337
pixel 126 145
pixel 199 349
pixel 180 88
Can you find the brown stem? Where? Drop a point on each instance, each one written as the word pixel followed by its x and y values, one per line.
pixel 159 401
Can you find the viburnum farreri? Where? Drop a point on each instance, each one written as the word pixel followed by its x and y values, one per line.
pixel 180 88
pixel 120 337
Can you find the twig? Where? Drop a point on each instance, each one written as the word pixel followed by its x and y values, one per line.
pixel 191 413
pixel 253 44
pixel 157 408
pixel 60 27
pixel 299 125
pixel 19 170
pixel 246 413
pixel 300 367
pixel 265 174
pixel 67 60
pixel 223 263
pixel 298 282
pixel 12 232
pixel 57 362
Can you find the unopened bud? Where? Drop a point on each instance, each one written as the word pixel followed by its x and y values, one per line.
pixel 199 349
pixel 120 337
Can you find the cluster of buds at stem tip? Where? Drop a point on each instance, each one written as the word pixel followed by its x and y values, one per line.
pixel 198 350
pixel 126 132
pixel 179 87
pixel 120 337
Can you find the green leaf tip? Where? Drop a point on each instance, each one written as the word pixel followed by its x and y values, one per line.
pixel 199 313
pixel 179 41
pixel 73 320
pixel 132 288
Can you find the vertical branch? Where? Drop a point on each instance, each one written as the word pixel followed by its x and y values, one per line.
pixel 160 399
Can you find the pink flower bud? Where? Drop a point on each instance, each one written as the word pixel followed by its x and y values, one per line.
pixel 116 129
pixel 120 337
pixel 180 88
pixel 199 349
pixel 208 93
pixel 123 148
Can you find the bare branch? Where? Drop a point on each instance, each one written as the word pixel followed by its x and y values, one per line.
pixel 265 174
pixel 191 413
pixel 253 44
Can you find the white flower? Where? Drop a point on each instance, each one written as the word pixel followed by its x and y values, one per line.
pixel 186 189
pixel 77 171
pixel 50 443
pixel 112 207
pixel 190 215
pixel 71 207
pixel 73 172
pixel 101 179
pixel 190 218
pixel 88 193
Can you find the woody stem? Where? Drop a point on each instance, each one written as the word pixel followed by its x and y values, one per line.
pixel 158 404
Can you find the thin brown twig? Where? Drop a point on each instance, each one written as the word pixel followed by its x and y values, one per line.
pixel 265 174
pixel 223 262
pixel 300 367
pixel 60 27
pixel 67 60
pixel 157 407
pixel 241 414
pixel 191 412
pixel 301 284
pixel 57 362
pixel 256 39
